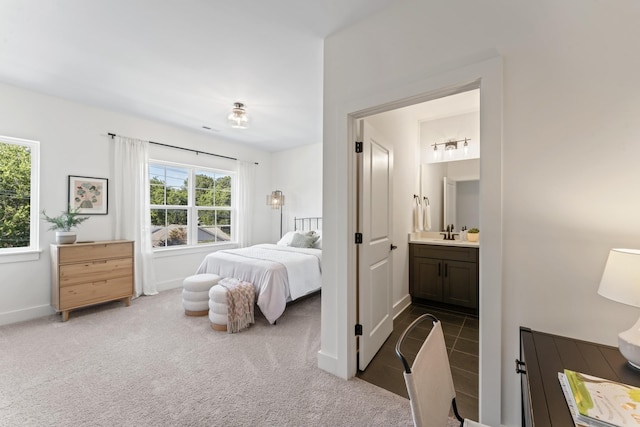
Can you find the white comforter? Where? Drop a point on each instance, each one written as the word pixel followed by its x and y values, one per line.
pixel 278 273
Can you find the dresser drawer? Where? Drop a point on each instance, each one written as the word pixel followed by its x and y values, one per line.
pixel 86 252
pixel 94 292
pixel 94 271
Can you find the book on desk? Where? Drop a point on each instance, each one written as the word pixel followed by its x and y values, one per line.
pixel 598 402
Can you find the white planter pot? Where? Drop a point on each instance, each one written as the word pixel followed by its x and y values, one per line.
pixel 65 237
pixel 473 237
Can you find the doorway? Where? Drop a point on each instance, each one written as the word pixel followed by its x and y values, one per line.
pixel 449 115
pixel 338 352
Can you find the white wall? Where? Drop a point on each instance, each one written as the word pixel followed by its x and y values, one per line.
pixel 569 165
pixel 74 141
pixel 298 173
pixel 451 128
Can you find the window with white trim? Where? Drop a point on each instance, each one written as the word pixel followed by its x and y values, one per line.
pixel 19 221
pixel 190 205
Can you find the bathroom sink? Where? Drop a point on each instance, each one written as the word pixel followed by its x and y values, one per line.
pixel 441 241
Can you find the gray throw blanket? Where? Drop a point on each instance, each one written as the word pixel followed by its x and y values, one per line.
pixel 240 301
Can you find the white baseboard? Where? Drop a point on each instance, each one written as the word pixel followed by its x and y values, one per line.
pixel 401 305
pixel 26 314
pixel 169 284
pixel 327 363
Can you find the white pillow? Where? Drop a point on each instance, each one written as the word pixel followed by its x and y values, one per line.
pixel 286 239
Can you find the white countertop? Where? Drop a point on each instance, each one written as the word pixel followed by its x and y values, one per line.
pixel 434 238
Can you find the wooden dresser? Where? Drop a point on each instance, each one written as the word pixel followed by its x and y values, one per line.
pixel 84 274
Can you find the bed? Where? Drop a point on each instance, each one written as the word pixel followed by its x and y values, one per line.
pixel 280 272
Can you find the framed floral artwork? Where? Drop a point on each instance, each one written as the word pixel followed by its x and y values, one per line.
pixel 88 195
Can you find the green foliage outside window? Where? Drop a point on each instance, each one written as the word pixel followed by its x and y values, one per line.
pixel 169 186
pixel 15 195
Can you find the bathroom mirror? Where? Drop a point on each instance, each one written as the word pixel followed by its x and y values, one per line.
pixel 461 203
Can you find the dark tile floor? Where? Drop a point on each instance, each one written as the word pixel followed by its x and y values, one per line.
pixel 461 337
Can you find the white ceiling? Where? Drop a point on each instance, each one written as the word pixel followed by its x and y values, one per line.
pixel 451 105
pixel 182 62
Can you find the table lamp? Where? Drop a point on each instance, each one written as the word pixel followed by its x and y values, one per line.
pixel 621 283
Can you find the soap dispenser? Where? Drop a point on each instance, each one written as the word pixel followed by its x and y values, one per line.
pixel 463 233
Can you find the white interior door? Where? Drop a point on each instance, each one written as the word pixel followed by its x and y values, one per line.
pixel 374 254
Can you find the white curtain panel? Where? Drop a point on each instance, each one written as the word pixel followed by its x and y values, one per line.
pixel 133 219
pixel 245 194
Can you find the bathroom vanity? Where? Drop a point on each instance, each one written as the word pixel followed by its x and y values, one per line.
pixel 444 273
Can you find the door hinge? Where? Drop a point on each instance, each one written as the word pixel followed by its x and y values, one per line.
pixel 358 330
pixel 358 238
pixel 358 146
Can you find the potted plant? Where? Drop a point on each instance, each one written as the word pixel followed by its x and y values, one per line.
pixel 63 224
pixel 473 235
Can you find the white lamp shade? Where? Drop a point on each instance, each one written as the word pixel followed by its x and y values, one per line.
pixel 621 278
pixel 275 199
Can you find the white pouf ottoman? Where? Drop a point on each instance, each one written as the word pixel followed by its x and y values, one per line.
pixel 195 293
pixel 218 308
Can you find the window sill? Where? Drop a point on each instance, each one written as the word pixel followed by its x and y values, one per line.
pixel 188 250
pixel 20 256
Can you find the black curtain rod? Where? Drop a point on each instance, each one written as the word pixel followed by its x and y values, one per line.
pixel 186 149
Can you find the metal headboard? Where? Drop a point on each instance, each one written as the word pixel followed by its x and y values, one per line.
pixel 307 223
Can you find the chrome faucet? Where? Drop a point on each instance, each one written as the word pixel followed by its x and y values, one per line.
pixel 449 235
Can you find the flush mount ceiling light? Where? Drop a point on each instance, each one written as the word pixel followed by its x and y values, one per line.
pixel 238 118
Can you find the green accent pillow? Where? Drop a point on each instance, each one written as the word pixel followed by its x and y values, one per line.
pixel 303 240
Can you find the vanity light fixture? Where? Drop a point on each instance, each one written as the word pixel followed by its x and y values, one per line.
pixel 436 153
pixel 621 283
pixel 451 146
pixel 238 118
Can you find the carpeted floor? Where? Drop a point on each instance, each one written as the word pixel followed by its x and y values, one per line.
pixel 150 365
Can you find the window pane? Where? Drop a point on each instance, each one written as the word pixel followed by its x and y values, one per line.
pixel 223 190
pixel 210 229
pixel 168 185
pixel 213 189
pixel 168 227
pixel 224 222
pixel 15 195
pixel 204 197
pixel 171 186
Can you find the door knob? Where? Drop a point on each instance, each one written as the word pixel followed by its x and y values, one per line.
pixel 393 246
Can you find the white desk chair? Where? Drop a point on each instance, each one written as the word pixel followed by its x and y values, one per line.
pixel 429 380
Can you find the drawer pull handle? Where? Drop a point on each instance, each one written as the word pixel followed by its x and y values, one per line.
pixel 518 369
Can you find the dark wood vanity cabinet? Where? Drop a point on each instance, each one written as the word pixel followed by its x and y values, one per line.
pixel 444 274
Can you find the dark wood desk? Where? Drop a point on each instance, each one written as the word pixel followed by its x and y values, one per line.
pixel 543 355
